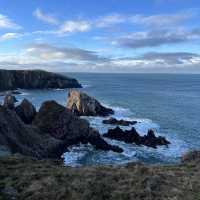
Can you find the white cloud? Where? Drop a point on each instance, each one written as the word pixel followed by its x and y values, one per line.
pixel 75 26
pixel 162 20
pixel 54 58
pixel 6 23
pixel 155 38
pixel 9 36
pixel 52 53
pixel 50 19
pixel 109 20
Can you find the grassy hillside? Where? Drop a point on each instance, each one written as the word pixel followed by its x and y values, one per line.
pixel 25 178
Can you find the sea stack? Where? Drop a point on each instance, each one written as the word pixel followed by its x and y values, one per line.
pixel 34 79
pixel 83 105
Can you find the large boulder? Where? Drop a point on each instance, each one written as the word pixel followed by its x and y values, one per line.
pixel 34 79
pixel 121 122
pixel 83 105
pixel 9 101
pixel 59 122
pixel 132 136
pixel 16 137
pixel 26 111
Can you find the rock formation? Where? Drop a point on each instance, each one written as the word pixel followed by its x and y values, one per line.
pixel 17 137
pixel 26 111
pixel 54 128
pixel 34 79
pixel 9 101
pixel 60 123
pixel 132 136
pixel 121 122
pixel 83 105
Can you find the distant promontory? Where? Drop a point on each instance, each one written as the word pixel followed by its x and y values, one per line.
pixel 34 79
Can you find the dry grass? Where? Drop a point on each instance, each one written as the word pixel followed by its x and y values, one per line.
pixel 28 179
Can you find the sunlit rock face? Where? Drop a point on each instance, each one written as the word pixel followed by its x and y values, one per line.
pixel 82 104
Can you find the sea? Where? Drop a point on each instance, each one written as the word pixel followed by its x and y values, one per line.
pixel 167 103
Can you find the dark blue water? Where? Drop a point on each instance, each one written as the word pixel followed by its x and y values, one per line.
pixel 170 104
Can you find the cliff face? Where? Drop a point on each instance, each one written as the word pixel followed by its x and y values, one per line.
pixel 34 79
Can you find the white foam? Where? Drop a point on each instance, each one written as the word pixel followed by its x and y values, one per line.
pixel 86 85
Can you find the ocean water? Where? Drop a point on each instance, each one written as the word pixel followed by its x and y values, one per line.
pixel 167 103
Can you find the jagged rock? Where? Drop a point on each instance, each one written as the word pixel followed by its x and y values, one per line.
pixel 121 122
pixel 132 136
pixel 17 137
pixel 82 104
pixel 9 101
pixel 34 79
pixel 26 111
pixel 60 123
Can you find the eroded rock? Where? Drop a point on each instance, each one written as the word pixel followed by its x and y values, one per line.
pixel 9 101
pixel 27 140
pixel 83 105
pixel 26 111
pixel 59 122
pixel 132 136
pixel 121 122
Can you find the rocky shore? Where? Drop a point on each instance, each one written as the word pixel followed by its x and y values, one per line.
pixel 46 133
pixel 34 79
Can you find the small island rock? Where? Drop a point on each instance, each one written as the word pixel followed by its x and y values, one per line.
pixel 121 122
pixel 132 136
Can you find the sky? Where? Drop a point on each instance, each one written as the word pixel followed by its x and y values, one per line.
pixel 107 36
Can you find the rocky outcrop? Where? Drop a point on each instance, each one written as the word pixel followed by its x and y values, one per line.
pixel 52 131
pixel 27 140
pixel 113 121
pixel 83 105
pixel 60 123
pixel 34 79
pixel 26 111
pixel 9 101
pixel 132 136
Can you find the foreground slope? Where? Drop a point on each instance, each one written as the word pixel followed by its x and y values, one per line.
pixel 25 178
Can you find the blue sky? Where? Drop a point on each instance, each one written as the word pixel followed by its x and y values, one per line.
pixel 101 36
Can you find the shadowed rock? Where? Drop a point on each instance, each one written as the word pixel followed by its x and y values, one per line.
pixel 34 79
pixel 83 105
pixel 132 136
pixel 26 111
pixel 59 122
pixel 9 101
pixel 17 137
pixel 121 122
